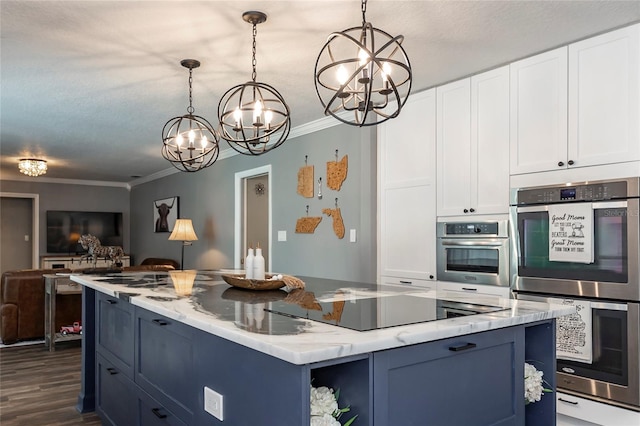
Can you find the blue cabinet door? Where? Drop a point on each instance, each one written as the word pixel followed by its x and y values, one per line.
pixel 468 380
pixel 115 332
pixel 116 400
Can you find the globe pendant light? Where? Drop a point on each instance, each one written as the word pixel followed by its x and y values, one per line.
pixel 254 118
pixel 190 142
pixel 365 72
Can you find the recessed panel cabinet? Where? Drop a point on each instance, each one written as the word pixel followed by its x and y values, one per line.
pixel 577 106
pixel 406 188
pixel 473 145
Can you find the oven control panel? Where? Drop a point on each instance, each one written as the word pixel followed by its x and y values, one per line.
pixel 474 228
pixel 569 193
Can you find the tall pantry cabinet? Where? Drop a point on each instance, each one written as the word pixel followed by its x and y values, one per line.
pixel 407 194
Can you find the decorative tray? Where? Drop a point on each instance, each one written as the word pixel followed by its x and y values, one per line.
pixel 241 282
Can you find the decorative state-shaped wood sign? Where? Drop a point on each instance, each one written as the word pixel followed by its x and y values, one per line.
pixel 306 181
pixel 337 173
pixel 307 225
pixel 338 224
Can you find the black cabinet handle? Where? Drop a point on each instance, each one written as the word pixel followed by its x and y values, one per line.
pixel 431 277
pixel 462 347
pixel 466 211
pixel 568 402
pixel 405 282
pixel 570 162
pixel 560 163
pixel 112 302
pixel 112 371
pixel 469 289
pixel 472 210
pixel 158 414
pixel 160 322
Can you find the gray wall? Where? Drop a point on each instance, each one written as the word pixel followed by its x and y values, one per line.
pixel 56 196
pixel 207 197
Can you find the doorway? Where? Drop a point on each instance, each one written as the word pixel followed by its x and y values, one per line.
pixel 19 217
pixel 253 214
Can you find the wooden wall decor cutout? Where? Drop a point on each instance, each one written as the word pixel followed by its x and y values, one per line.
pixel 338 224
pixel 337 172
pixel 306 180
pixel 307 225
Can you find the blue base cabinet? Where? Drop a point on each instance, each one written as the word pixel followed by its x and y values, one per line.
pixel 152 370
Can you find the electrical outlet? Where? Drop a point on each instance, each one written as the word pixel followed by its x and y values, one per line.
pixel 213 403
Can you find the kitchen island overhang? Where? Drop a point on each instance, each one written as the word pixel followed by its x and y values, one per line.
pixel 311 345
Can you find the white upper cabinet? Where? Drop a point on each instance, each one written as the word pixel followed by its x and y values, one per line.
pixel 604 91
pixel 406 192
pixel 473 145
pixel 577 106
pixel 539 112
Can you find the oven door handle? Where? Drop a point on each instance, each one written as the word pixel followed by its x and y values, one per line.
pixel 460 243
pixel 596 205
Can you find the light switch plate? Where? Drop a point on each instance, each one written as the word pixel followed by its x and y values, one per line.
pixel 213 403
pixel 282 235
pixel 352 235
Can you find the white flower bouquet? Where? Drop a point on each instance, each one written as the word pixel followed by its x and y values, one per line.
pixel 324 408
pixel 533 384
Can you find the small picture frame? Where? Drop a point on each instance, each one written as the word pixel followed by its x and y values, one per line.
pixel 165 213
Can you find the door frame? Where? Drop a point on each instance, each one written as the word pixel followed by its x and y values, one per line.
pixel 35 221
pixel 240 178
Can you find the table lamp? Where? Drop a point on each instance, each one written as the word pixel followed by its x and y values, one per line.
pixel 183 231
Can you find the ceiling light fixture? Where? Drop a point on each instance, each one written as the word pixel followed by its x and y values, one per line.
pixel 32 166
pixel 190 142
pixel 254 117
pixel 362 74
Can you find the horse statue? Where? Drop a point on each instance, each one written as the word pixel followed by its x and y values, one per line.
pixel 95 250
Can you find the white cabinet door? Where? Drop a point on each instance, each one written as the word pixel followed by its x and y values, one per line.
pixel 473 145
pixel 604 91
pixel 490 142
pixel 454 147
pixel 406 191
pixel 538 117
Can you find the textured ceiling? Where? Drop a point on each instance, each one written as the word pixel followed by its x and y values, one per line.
pixel 88 85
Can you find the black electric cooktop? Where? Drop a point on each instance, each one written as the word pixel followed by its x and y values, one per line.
pixel 381 312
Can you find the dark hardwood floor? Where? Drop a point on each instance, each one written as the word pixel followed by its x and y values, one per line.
pixel 38 387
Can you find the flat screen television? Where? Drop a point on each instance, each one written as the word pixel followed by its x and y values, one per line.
pixel 64 228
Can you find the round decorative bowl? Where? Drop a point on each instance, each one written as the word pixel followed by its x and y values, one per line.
pixel 239 281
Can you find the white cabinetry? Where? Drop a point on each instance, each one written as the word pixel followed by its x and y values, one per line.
pixel 406 191
pixel 604 91
pixel 76 262
pixel 577 106
pixel 473 145
pixel 576 411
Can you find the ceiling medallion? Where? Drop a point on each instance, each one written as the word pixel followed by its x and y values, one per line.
pixel 254 117
pixel 364 72
pixel 190 142
pixel 32 166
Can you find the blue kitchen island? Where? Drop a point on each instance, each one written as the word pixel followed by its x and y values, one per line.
pixel 400 356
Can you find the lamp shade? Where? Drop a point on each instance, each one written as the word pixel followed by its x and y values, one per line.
pixel 183 281
pixel 183 231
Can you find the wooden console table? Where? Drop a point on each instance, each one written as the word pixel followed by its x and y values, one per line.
pixel 56 285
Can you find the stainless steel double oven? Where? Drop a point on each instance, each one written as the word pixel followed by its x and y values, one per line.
pixel 598 347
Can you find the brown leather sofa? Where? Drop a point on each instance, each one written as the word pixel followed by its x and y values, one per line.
pixel 160 261
pixel 22 305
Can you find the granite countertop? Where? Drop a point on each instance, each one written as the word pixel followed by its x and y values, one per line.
pixel 247 317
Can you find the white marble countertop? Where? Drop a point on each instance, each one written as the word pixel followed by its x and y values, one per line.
pixel 243 316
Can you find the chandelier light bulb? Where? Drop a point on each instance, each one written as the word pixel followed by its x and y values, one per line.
pixel 203 142
pixel 179 140
pixel 342 75
pixel 268 116
pixel 386 72
pixel 192 137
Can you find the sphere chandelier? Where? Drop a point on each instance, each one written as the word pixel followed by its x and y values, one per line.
pixel 254 117
pixel 363 75
pixel 190 142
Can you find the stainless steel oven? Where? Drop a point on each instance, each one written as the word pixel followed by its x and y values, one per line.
pixel 613 272
pixel 598 349
pixel 577 243
pixel 473 252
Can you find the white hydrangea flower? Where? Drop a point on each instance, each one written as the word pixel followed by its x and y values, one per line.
pixel 323 401
pixel 532 383
pixel 324 420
